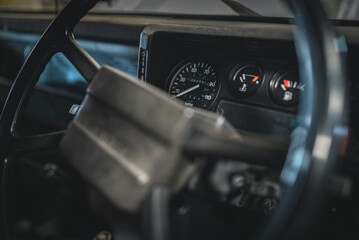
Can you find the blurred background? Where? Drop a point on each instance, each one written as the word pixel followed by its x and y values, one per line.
pixel 336 9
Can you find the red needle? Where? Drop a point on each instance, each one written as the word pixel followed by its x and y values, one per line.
pixel 255 79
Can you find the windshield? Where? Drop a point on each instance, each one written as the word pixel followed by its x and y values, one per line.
pixel 336 9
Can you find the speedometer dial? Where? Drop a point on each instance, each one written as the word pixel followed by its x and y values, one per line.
pixel 196 84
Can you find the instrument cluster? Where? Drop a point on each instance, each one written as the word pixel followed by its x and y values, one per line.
pixel 196 82
pixel 251 96
pixel 253 83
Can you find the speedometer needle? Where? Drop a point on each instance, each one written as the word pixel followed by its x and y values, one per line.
pixel 186 91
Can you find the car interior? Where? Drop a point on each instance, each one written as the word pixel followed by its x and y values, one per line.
pixel 178 119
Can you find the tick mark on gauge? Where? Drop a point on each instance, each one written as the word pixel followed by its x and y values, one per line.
pixel 286 83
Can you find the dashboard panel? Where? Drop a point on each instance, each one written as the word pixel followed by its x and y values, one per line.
pixel 254 82
pixel 166 48
pixel 161 38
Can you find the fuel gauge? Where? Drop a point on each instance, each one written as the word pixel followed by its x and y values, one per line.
pixel 285 88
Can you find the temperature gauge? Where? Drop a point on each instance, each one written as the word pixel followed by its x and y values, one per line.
pixel 285 88
pixel 245 78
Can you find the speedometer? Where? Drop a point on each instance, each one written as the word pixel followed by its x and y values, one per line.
pixel 195 83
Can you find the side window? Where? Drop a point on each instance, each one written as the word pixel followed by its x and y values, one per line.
pixel 61 75
pixel 60 85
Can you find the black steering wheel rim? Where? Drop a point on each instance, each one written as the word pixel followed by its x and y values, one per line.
pixel 57 37
pixel 322 120
pixel 318 136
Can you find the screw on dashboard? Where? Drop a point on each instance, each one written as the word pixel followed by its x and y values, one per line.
pixel 269 204
pixel 238 181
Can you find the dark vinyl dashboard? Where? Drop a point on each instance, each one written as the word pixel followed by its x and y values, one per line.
pixel 253 61
pixel 238 50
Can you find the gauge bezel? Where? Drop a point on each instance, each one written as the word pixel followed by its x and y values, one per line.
pixel 176 70
pixel 234 72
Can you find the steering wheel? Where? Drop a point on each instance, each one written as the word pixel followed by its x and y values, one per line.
pixel 128 150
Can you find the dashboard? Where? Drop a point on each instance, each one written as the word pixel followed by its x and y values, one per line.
pixel 244 70
pixel 155 48
pixel 253 83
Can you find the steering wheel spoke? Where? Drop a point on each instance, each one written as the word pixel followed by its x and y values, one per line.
pixel 79 57
pixel 258 149
pixel 57 38
pixel 39 142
